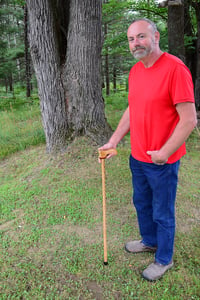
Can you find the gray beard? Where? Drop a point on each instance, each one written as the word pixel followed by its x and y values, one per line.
pixel 140 54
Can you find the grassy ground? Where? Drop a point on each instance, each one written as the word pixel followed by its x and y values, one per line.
pixel 20 123
pixel 51 226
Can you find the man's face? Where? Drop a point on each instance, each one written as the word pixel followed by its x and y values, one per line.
pixel 142 40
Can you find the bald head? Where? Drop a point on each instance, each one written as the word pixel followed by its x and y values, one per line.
pixel 143 39
pixel 152 24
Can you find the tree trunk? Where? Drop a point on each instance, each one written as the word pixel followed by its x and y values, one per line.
pixel 190 55
pixel 107 74
pixel 27 55
pixel 65 45
pixel 114 76
pixel 82 74
pixel 107 63
pixel 44 47
pixel 197 81
pixel 6 84
pixel 10 80
pixel 176 28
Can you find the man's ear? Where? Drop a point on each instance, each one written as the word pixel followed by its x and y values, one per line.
pixel 157 37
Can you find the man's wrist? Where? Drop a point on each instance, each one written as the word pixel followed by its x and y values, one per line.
pixel 163 155
pixel 112 143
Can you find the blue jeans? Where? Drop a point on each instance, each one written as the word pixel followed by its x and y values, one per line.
pixel 154 197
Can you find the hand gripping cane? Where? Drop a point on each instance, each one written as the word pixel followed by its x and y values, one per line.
pixel 102 156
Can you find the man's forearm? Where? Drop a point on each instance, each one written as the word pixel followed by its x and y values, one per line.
pixel 184 127
pixel 178 137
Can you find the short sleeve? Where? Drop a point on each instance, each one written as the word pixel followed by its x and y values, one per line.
pixel 181 86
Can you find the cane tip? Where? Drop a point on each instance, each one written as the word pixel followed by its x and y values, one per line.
pixel 105 263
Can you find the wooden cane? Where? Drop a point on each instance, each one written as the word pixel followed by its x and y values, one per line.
pixel 104 211
pixel 102 155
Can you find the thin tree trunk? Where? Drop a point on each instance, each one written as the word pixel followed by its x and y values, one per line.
pixel 107 64
pixel 197 81
pixel 176 28
pixel 190 55
pixel 114 78
pixel 10 80
pixel 107 75
pixel 6 84
pixel 27 55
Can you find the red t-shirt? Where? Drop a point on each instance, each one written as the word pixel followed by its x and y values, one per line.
pixel 153 94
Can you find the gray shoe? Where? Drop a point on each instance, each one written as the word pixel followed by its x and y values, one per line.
pixel 138 246
pixel 155 271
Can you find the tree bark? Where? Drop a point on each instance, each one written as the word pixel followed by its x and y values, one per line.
pixel 190 56
pixel 65 45
pixel 106 66
pixel 114 75
pixel 196 5
pixel 176 28
pixel 27 55
pixel 44 47
pixel 82 72
pixel 114 79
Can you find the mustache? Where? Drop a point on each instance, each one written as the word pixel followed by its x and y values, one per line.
pixel 137 48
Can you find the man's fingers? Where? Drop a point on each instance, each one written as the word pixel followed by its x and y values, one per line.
pixel 152 152
pixel 107 153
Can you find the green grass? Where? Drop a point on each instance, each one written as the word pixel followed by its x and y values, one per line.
pixel 51 225
pixel 20 124
pixel 115 106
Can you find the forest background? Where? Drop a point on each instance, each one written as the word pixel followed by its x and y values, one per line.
pixel 177 21
pixel 51 221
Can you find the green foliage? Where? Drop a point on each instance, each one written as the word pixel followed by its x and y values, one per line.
pixel 117 16
pixel 12 41
pixel 189 42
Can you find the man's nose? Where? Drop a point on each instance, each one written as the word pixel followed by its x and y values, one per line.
pixel 136 42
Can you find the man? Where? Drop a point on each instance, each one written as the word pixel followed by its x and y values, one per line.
pixel 160 116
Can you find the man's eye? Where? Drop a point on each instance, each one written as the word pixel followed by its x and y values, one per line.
pixel 141 36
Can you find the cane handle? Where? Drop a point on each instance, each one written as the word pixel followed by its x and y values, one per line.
pixel 104 153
